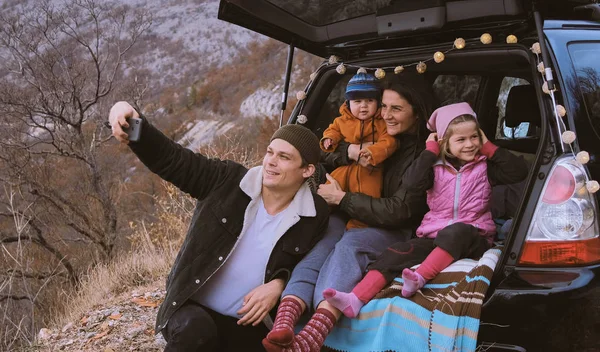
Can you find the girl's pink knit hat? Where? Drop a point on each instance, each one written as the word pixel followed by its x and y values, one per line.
pixel 441 118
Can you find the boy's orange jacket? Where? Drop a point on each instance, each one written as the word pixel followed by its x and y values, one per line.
pixel 350 129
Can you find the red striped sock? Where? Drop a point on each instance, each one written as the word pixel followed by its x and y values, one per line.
pixel 311 338
pixel 288 313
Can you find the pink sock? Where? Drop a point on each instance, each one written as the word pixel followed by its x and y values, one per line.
pixel 351 303
pixel 348 303
pixel 435 262
pixel 413 281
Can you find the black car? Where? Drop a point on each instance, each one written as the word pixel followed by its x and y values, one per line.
pixel 552 251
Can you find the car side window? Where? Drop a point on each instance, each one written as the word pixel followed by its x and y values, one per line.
pixel 585 59
pixel 502 131
pixel 451 89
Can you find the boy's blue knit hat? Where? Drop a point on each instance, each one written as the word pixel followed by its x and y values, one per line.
pixel 363 86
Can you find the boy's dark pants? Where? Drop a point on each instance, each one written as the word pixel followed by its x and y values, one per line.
pixel 459 239
pixel 196 328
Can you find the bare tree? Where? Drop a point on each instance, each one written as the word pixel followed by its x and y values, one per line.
pixel 59 67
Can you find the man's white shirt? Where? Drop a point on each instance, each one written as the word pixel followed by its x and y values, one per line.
pixel 245 268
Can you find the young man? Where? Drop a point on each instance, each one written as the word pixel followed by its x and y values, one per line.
pixel 249 229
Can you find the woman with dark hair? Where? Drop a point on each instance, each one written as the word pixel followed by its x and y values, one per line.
pixel 340 259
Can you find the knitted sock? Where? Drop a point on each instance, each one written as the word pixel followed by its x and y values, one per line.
pixel 351 303
pixel 288 313
pixel 435 262
pixel 311 338
pixel 413 281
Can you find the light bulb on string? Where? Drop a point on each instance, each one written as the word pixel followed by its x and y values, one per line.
pixel 545 88
pixel 511 39
pixel 421 67
pixel 361 70
pixel 341 69
pixel 568 137
pixel 592 186
pixel 535 48
pixel 301 95
pixel 561 110
pixel 379 73
pixel 486 38
pixel 459 43
pixel 313 76
pixel 399 69
pixel 438 57
pixel 582 157
pixel 302 119
pixel 540 67
pixel 333 60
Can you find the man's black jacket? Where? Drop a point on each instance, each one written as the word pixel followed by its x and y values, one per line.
pixel 218 218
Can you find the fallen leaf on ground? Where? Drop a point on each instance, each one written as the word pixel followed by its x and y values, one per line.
pixel 145 302
pixel 101 334
pixel 115 316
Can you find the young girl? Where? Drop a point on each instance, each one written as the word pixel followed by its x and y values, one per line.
pixel 458 169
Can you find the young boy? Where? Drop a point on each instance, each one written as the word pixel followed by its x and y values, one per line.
pixel 360 122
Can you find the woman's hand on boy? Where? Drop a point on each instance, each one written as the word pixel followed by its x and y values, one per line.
pixel 259 302
pixel 331 192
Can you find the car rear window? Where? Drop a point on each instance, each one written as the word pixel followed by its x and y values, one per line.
pixel 324 12
pixel 587 66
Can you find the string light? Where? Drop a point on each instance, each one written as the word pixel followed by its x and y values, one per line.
pixel 333 60
pixel 313 76
pixel 568 137
pixel 459 43
pixel 301 95
pixel 540 67
pixel 511 39
pixel 341 69
pixel 361 70
pixel 302 119
pixel 486 38
pixel 545 88
pixel 592 186
pixel 583 157
pixel 438 57
pixel 379 73
pixel 398 69
pixel 421 67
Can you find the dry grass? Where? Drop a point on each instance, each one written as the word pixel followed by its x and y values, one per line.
pixel 125 273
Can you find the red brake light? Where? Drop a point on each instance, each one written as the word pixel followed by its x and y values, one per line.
pixel 582 252
pixel 561 186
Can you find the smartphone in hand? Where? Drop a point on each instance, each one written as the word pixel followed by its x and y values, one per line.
pixel 135 128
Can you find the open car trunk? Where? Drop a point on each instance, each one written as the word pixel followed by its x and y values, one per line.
pixel 350 28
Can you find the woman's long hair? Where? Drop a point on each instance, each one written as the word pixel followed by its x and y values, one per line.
pixel 419 94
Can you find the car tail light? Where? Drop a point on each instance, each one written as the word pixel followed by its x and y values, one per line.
pixel 564 230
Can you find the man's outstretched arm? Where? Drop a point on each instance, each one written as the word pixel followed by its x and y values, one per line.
pixel 191 172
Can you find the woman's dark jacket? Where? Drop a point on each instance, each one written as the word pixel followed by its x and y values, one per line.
pixel 218 218
pixel 399 207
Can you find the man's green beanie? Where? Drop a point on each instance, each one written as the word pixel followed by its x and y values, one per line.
pixel 302 139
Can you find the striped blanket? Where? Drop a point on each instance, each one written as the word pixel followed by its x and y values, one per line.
pixel 443 316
